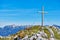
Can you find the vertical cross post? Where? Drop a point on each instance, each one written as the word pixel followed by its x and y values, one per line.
pixel 42 23
pixel 42 16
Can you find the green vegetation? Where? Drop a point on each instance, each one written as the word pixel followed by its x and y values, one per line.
pixel 34 29
pixel 57 36
pixel 47 32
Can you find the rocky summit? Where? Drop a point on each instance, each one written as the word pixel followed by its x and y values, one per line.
pixel 36 32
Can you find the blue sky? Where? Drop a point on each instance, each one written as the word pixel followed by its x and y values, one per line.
pixel 24 12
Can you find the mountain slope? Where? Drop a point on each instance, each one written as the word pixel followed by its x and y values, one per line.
pixel 34 32
pixel 8 30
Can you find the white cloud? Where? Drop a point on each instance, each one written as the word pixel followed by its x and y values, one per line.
pixel 17 12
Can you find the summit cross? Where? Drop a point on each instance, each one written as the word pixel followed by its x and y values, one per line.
pixel 42 13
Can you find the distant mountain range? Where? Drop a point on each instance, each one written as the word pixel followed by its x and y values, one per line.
pixel 56 26
pixel 10 29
